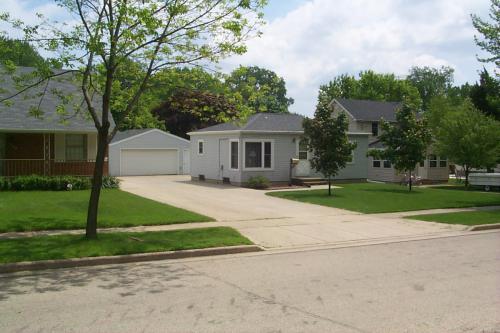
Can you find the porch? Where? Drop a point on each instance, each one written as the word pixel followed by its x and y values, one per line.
pixel 50 154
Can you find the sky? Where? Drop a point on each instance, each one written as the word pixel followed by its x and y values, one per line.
pixel 309 42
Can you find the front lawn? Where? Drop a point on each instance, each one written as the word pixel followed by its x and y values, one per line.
pixel 465 218
pixel 119 243
pixel 47 210
pixel 382 198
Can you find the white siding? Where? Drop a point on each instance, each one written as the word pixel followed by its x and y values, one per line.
pixel 151 140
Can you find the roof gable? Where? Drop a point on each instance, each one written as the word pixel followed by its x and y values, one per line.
pixel 366 110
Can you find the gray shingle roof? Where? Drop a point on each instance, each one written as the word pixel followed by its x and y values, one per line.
pixel 129 133
pixel 376 145
pixel 274 122
pixel 365 110
pixel 17 115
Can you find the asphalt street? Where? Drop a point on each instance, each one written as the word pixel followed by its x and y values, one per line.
pixel 440 285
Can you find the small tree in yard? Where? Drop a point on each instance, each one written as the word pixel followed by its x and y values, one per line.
pixel 405 142
pixel 469 138
pixel 326 137
pixel 105 36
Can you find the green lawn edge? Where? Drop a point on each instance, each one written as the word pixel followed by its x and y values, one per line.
pixel 469 218
pixel 63 210
pixel 116 243
pixel 372 198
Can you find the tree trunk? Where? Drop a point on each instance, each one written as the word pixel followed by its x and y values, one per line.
pixel 410 181
pixel 102 143
pixel 329 186
pixel 466 176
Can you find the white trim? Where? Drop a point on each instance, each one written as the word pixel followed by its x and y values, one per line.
pixel 230 156
pixel 149 131
pixel 262 152
pixel 198 147
pixel 177 149
pixel 243 132
pixel 37 130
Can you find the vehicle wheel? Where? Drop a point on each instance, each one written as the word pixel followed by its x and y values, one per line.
pixel 487 188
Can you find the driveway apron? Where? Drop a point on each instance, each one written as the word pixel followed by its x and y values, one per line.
pixel 274 222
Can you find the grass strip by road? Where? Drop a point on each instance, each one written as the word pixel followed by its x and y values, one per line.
pixel 465 218
pixel 385 198
pixel 64 210
pixel 119 243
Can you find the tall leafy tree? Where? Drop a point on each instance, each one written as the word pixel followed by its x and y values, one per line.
pixel 18 53
pixel 485 95
pixel 262 90
pixel 326 137
pixel 157 34
pixel 468 137
pixel 189 110
pixel 490 31
pixel 405 141
pixel 431 82
pixel 372 86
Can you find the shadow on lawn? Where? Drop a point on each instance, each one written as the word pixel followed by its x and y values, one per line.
pixel 127 280
pixel 41 223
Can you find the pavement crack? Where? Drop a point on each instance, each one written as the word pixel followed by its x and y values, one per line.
pixel 269 300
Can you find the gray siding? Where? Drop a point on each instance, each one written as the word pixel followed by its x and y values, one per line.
pixel 285 147
pixel 358 169
pixel 209 164
pixel 149 140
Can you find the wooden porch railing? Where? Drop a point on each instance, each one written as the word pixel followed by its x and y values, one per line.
pixel 25 167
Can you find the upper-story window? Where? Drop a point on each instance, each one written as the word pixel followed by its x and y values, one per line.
pixel 375 128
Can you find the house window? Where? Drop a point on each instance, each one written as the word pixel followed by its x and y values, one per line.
pixel 234 154
pixel 267 154
pixel 201 147
pixel 433 161
pixel 422 164
pixel 387 164
pixel 375 129
pixel 443 161
pixel 350 160
pixel 258 154
pixel 302 150
pixel 376 163
pixel 76 147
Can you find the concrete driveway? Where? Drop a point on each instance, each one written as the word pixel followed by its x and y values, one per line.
pixel 278 223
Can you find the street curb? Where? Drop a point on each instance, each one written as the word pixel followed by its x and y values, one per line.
pixel 122 259
pixel 485 227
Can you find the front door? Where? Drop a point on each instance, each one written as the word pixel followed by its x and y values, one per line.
pixel 303 168
pixel 223 158
pixel 186 158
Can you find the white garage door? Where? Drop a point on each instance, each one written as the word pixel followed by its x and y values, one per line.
pixel 143 162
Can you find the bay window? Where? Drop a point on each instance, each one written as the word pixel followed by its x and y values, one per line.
pixel 258 154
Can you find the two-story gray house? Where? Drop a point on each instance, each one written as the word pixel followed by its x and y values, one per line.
pixel 263 146
pixel 365 116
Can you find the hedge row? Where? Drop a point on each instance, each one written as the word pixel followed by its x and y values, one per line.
pixel 52 183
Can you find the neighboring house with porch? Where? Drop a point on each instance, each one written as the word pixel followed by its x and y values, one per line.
pixel 46 130
pixel 263 146
pixel 365 116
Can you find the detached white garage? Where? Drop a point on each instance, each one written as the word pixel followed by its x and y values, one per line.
pixel 146 152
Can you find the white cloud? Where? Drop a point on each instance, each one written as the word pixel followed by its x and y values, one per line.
pixel 320 39
pixel 323 38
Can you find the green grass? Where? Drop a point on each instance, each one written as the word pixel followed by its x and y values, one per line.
pixel 465 218
pixel 381 198
pixel 47 210
pixel 108 244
